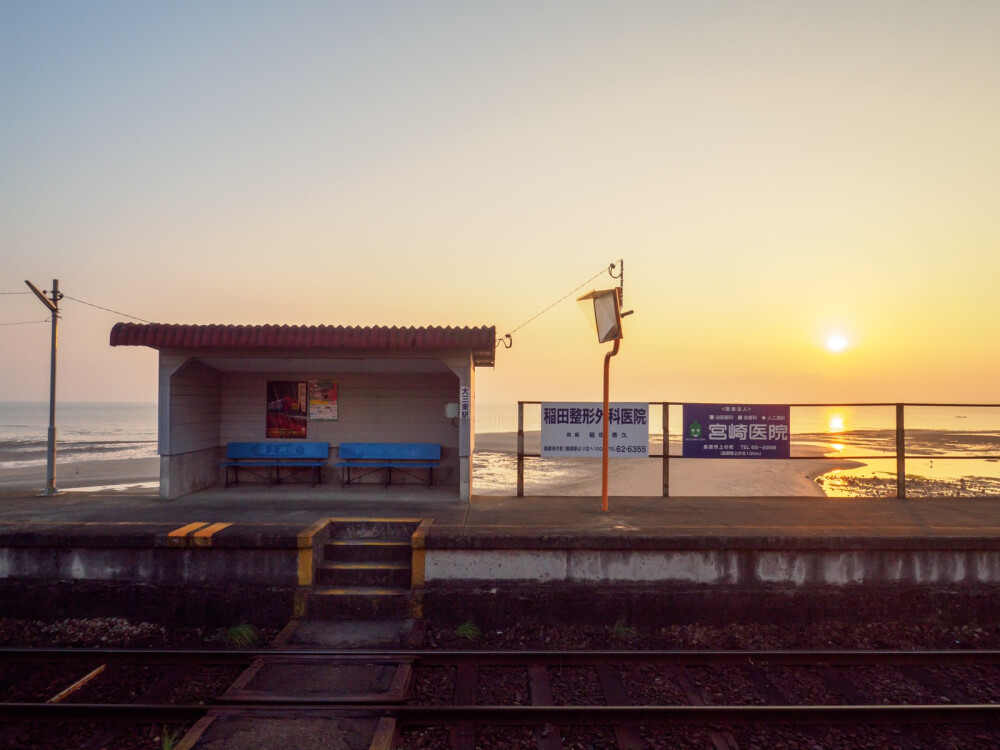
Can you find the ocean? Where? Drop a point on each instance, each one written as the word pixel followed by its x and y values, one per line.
pixel 943 436
pixel 940 441
pixel 84 431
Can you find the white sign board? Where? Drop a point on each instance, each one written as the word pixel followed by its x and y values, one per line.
pixel 574 429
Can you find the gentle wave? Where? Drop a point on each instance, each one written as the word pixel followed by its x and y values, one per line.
pixel 24 453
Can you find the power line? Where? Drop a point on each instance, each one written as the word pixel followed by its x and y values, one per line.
pixel 107 309
pixel 82 302
pixel 26 322
pixel 508 343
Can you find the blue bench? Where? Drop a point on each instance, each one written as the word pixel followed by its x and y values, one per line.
pixel 295 456
pixel 374 457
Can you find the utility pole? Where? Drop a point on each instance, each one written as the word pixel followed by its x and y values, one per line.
pixel 53 305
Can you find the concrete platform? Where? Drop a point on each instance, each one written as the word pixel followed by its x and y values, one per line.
pixel 260 545
pixel 542 517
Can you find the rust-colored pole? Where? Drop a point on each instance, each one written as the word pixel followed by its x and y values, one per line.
pixel 520 449
pixel 666 450
pixel 606 424
pixel 900 453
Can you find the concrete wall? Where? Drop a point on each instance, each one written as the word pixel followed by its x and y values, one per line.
pixel 202 409
pixel 184 473
pixel 465 371
pixel 195 408
pixel 734 567
pixel 403 407
pixel 154 572
pixel 264 567
pixel 189 420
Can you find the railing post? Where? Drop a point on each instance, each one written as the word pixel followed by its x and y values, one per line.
pixel 900 453
pixel 666 449
pixel 520 449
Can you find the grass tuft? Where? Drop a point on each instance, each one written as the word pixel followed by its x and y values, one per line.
pixel 469 631
pixel 242 636
pixel 170 737
pixel 622 631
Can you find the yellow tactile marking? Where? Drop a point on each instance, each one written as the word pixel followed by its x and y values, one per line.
pixel 305 566
pixel 209 530
pixel 185 530
pixel 417 604
pixel 305 543
pixel 299 604
pixel 203 538
pixel 305 537
pixel 418 562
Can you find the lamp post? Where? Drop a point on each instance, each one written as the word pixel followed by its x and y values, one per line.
pixel 53 306
pixel 607 318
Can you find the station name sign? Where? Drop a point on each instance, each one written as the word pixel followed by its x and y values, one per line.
pixel 574 430
pixel 736 431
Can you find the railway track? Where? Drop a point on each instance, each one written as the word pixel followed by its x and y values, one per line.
pixel 544 699
pixel 95 694
pixel 720 699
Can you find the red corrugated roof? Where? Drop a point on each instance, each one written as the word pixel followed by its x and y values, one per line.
pixel 480 340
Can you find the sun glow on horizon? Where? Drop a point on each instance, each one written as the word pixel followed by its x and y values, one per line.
pixel 836 343
pixel 835 423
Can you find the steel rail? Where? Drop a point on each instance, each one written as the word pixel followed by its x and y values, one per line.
pixel 439 657
pixel 421 715
pixel 727 657
pixel 131 654
pixel 598 715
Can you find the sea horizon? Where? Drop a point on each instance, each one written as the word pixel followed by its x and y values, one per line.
pixel 103 430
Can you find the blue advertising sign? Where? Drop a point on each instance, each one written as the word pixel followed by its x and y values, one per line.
pixel 736 431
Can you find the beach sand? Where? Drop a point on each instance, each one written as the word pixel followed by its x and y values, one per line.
pixel 496 473
pixel 78 474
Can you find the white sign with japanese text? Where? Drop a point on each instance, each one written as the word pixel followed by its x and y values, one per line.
pixel 574 429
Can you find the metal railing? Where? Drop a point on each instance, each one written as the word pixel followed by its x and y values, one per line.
pixel 899 453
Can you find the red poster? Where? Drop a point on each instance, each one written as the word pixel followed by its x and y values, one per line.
pixel 287 409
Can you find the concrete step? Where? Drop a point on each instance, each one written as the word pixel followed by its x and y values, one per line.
pixel 380 574
pixel 377 528
pixel 368 550
pixel 358 603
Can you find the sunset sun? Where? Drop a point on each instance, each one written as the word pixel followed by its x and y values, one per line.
pixel 836 343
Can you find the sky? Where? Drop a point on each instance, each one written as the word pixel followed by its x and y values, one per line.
pixel 773 174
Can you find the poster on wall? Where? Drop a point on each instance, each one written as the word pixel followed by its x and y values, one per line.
pixel 287 414
pixel 323 400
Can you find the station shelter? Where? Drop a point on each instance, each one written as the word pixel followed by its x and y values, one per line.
pixel 220 384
